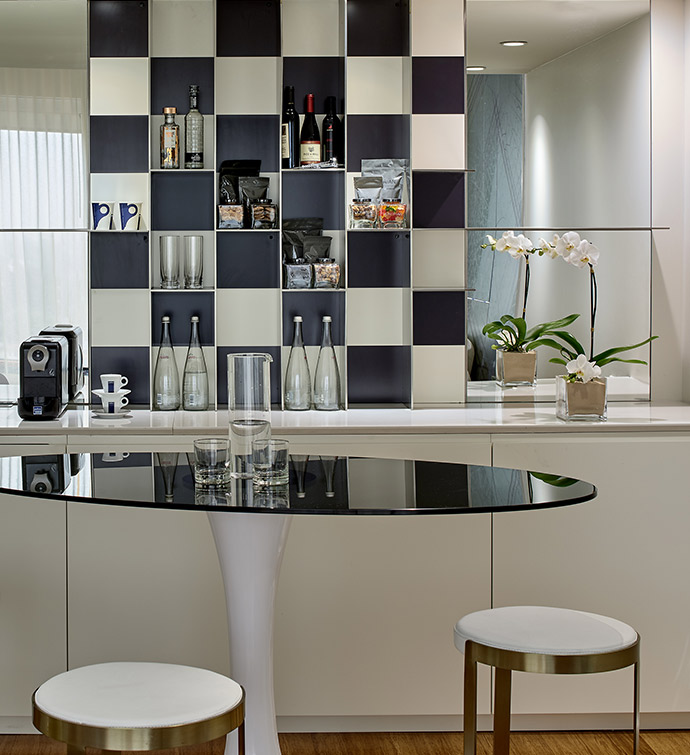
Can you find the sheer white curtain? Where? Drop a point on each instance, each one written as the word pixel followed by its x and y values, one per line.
pixel 43 275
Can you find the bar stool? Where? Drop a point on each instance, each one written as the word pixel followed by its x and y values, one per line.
pixel 541 640
pixel 138 706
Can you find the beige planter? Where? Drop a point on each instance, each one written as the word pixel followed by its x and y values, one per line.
pixel 516 368
pixel 581 401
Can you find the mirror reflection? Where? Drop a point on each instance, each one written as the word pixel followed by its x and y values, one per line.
pixel 559 139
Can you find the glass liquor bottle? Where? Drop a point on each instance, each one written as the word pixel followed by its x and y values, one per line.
pixel 289 130
pixel 195 376
pixel 170 140
pixel 193 132
pixel 166 379
pixel 327 377
pixel 297 376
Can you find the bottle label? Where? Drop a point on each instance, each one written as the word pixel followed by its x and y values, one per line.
pixel 310 152
pixel 169 137
pixel 284 141
pixel 194 157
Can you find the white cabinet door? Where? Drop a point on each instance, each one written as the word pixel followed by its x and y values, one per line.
pixel 624 554
pixel 32 596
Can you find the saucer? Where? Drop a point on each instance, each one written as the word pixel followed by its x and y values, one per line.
pixel 102 414
pixel 101 392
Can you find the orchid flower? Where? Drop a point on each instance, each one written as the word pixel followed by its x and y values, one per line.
pixel 583 370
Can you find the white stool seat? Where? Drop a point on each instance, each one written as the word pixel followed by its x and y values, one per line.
pixel 543 629
pixel 137 695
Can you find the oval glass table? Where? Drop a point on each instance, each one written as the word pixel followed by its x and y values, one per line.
pixel 250 524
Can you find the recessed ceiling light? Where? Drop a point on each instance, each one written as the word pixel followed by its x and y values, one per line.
pixel 514 43
pixel 475 69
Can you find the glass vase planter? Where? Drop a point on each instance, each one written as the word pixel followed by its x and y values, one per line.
pixel 516 368
pixel 581 401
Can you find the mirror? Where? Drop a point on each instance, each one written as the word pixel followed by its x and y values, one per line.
pixel 558 137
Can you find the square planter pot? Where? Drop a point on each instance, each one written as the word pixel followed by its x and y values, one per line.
pixel 581 401
pixel 516 368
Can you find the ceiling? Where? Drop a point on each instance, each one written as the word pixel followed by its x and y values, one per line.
pixel 551 28
pixel 43 34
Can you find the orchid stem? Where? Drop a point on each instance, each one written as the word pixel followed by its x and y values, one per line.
pixel 524 299
pixel 593 309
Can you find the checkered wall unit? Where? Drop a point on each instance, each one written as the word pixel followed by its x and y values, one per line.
pixel 397 73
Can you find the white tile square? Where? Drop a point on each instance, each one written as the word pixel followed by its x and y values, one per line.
pixel 438 28
pixel 119 86
pixel 438 142
pixel 438 374
pixel 378 317
pixel 247 86
pixel 120 317
pixel 123 187
pixel 312 28
pixel 248 316
pixel 184 28
pixel 438 258
pixel 375 86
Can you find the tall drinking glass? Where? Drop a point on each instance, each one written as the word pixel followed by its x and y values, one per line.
pixel 249 407
pixel 170 262
pixel 193 261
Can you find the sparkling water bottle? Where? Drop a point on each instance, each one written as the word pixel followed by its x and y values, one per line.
pixel 327 376
pixel 166 379
pixel 297 376
pixel 195 378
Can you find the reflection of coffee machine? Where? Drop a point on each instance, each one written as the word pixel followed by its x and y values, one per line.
pixel 73 334
pixel 43 377
pixel 46 474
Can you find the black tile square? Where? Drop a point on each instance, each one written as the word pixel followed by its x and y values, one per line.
pixel 379 374
pixel 321 76
pixel 378 27
pixel 222 369
pixel 438 85
pixel 315 194
pixel 180 306
pixel 118 28
pixel 182 201
pixel 119 260
pixel 119 144
pixel 312 306
pixel 132 361
pixel 249 137
pixel 438 318
pixel 376 136
pixel 378 259
pixel 170 82
pixel 440 485
pixel 248 28
pixel 438 199
pixel 247 259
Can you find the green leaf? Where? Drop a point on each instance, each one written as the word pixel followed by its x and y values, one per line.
pixel 558 360
pixel 543 342
pixel 619 349
pixel 549 327
pixel 570 339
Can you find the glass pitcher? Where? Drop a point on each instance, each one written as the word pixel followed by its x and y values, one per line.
pixel 249 407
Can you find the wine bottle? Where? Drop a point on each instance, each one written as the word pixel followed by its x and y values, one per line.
pixel 170 140
pixel 327 377
pixel 195 376
pixel 289 130
pixel 309 140
pixel 166 379
pixel 331 134
pixel 193 132
pixel 297 376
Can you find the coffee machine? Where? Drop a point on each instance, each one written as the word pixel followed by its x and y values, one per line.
pixel 74 336
pixel 46 474
pixel 44 377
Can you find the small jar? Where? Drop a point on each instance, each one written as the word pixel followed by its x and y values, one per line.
pixel 326 273
pixel 264 214
pixel 392 214
pixel 230 216
pixel 297 273
pixel 363 213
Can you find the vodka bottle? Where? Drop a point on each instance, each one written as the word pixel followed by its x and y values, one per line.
pixel 193 132
pixel 195 377
pixel 297 376
pixel 166 379
pixel 327 377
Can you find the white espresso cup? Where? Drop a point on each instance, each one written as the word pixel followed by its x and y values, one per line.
pixel 111 456
pixel 113 403
pixel 113 382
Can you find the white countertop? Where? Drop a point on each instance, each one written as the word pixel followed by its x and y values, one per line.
pixel 471 418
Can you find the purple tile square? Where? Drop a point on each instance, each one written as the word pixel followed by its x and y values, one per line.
pixel 438 85
pixel 438 318
pixel 438 199
pixel 379 375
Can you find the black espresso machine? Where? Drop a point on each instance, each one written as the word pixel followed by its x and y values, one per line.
pixel 44 377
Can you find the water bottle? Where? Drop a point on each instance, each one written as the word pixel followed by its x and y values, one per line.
pixel 166 379
pixel 297 375
pixel 195 377
pixel 327 377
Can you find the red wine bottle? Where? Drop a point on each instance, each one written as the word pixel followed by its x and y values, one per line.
pixel 289 130
pixel 309 140
pixel 331 134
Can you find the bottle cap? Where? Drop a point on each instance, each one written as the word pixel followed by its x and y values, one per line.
pixel 326 318
pixel 165 318
pixel 195 318
pixel 170 110
pixel 297 318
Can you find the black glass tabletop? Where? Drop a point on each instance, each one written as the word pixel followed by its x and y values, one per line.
pixel 317 485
